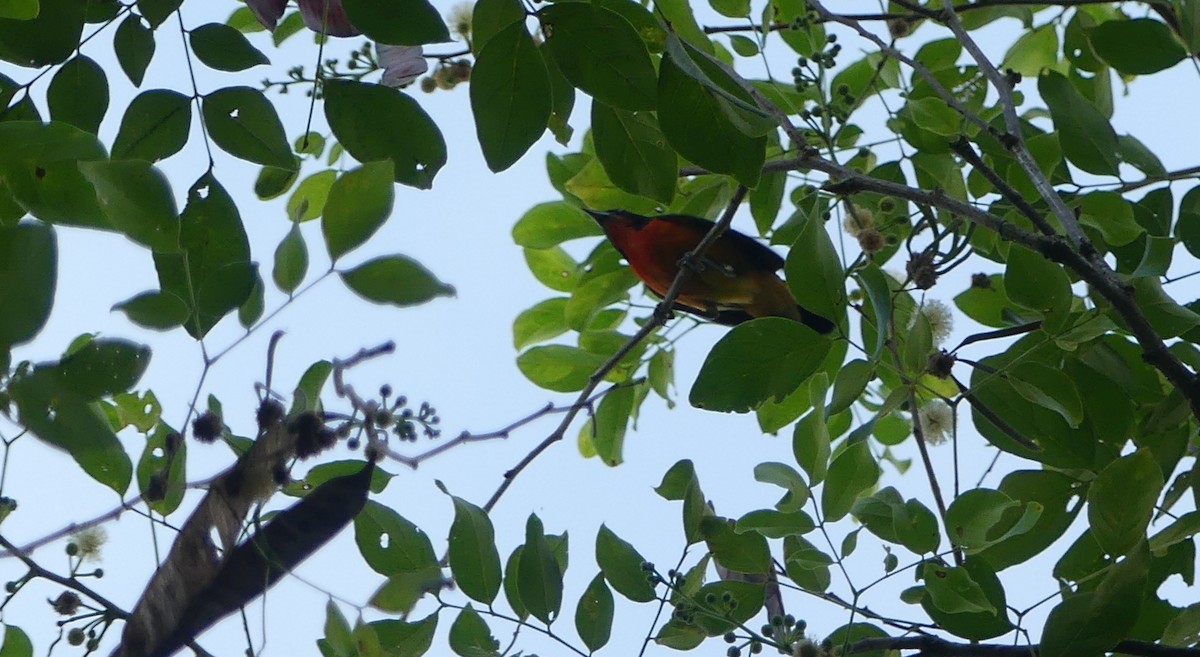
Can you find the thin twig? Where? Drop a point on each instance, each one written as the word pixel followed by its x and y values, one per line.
pixel 501 433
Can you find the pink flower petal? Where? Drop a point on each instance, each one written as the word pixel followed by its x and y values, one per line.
pixel 268 12
pixel 336 22
pixel 401 64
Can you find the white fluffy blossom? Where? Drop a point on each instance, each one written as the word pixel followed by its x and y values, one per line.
pixel 937 421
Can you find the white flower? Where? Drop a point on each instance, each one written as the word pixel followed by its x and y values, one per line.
pixel 401 64
pixel 937 421
pixel 459 19
pixel 856 219
pixel 939 316
pixel 89 541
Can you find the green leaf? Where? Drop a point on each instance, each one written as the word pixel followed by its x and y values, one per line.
pixel 155 310
pixel 600 53
pixel 165 467
pixel 65 419
pixel 1092 623
pixel 16 643
pixel 1049 388
pixel 308 390
pixel 609 424
pixel 78 94
pixel 849 385
pixel 1136 47
pixel 758 361
pixel 539 578
pixel 391 545
pixel 953 591
pixel 1034 282
pixel 512 594
pixel 373 122
pixel 775 524
pixel 1121 501
pixel 396 280
pixel 402 639
pixel 744 46
pixel 933 115
pixel 358 204
pixel 491 16
pixel 634 153
pixel 554 268
pixel 973 585
pixel 621 565
pixel 333 469
pixel 40 168
pixel 1087 138
pixel 251 309
pixel 851 472
pixel 137 199
pixel 155 126
pixel 888 516
pixel 28 279
pixel 307 202
pixel 212 272
pixel 806 565
pixel 1050 491
pixel 272 183
pixel 472 552
pixel 1033 51
pixel 679 15
pixel 784 476
pixel 399 22
pixel 103 367
pixel 157 11
pixel 594 614
pixel 767 199
pixel 814 272
pixel 244 124
pixel 225 49
pixel 470 636
pixel 544 321
pixel 50 38
pixel 591 185
pixel 810 446
pixel 559 367
pixel 134 47
pixel 973 514
pixel 743 553
pixel 510 96
pixel 21 10
pixel 698 122
pixel 550 224
pixel 339 637
pixel 1112 215
pixel 291 261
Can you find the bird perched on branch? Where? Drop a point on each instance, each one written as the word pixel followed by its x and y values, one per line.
pixel 734 281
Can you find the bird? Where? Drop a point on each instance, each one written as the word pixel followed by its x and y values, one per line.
pixel 736 279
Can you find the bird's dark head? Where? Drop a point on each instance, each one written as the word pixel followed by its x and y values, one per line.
pixel 611 220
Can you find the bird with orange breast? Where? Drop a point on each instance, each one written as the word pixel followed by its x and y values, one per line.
pixel 736 279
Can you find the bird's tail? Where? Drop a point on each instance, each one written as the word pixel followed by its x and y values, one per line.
pixel 814 321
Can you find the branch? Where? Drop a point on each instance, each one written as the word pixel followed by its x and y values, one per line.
pixel 935 84
pixel 1015 141
pixel 1053 248
pixel 503 432
pixel 662 313
pixel 110 607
